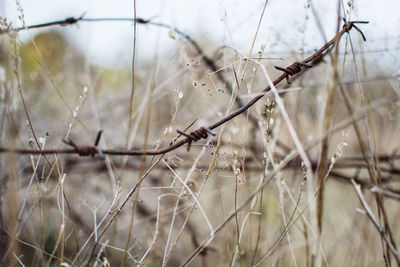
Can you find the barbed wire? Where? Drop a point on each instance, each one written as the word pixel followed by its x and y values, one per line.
pixel 201 133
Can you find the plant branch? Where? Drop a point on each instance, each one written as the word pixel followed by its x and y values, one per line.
pixel 291 70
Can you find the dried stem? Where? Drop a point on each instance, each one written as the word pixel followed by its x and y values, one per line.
pixel 88 150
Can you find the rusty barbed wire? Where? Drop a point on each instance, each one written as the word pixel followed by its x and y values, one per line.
pixel 87 150
pixel 197 134
pixel 293 69
pixel 389 174
pixel 201 133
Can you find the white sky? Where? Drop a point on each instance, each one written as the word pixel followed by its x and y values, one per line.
pixel 231 22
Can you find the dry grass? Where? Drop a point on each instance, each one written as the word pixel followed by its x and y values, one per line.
pixel 250 196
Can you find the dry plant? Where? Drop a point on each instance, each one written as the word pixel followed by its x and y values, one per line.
pixel 303 174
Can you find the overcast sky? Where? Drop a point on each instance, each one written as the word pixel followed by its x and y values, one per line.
pixel 230 22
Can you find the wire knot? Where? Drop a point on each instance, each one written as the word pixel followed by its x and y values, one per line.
pixel 70 20
pixel 142 21
pixel 85 151
pixel 352 24
pixel 292 69
pixel 201 133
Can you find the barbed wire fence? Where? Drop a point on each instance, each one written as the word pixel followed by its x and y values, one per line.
pixel 292 158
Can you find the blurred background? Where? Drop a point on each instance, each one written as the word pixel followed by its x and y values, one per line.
pixel 287 24
pixel 78 79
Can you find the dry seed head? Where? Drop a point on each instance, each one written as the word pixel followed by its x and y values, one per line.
pixel 31 143
pixel 172 34
pixel 269 107
pixel 4 26
pixel 21 15
pixel 304 171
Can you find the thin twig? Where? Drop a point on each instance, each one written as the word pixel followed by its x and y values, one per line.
pixel 374 221
pixel 268 178
pixel 316 56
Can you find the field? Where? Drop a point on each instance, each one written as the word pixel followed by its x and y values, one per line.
pixel 209 156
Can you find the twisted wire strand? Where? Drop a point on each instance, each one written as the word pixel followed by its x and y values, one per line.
pixel 201 133
pixel 85 151
pixel 292 69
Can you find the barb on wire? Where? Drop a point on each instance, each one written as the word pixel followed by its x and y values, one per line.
pixel 201 133
pixel 197 134
pixel 293 69
pixel 352 24
pixel 87 150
